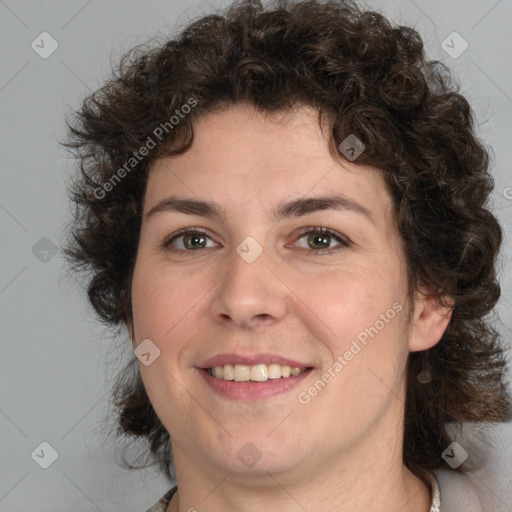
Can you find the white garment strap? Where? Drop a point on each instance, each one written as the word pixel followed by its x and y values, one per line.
pixel 436 494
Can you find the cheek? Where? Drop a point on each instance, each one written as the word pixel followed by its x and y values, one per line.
pixel 364 348
pixel 161 299
pixel 160 304
pixel 364 345
pixel 348 301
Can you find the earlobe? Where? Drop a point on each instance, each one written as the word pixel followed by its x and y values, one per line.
pixel 429 322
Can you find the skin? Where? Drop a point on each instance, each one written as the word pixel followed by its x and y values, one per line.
pixel 343 449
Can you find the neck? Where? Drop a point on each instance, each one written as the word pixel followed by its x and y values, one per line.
pixel 356 482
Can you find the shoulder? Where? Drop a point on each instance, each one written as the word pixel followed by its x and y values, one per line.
pixel 487 487
pixel 162 504
pixel 457 492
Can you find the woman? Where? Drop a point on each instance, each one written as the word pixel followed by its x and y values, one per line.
pixel 286 208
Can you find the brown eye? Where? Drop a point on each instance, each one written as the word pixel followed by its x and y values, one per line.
pixel 318 240
pixel 187 240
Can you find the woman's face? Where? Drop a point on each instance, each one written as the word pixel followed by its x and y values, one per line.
pixel 254 291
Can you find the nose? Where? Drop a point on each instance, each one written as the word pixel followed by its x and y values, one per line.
pixel 251 293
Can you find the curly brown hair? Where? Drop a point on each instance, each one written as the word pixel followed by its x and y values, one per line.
pixel 367 78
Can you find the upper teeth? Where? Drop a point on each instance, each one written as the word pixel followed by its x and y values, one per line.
pixel 259 372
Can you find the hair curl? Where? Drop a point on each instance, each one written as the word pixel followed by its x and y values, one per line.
pixel 370 79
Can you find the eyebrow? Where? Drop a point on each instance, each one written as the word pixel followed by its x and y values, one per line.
pixel 294 208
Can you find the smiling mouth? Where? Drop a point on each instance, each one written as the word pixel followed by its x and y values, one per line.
pixel 255 373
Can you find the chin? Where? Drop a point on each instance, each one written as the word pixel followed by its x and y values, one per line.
pixel 257 455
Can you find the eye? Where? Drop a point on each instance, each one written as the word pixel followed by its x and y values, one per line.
pixel 188 240
pixel 318 238
pixel 192 239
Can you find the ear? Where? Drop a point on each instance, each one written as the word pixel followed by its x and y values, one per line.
pixel 429 322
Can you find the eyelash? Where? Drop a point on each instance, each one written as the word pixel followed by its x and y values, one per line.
pixel 344 243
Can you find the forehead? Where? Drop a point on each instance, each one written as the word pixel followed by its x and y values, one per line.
pixel 248 161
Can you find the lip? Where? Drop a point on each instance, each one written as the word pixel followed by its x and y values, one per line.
pixel 266 358
pixel 252 391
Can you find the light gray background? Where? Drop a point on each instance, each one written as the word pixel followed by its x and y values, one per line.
pixel 56 360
